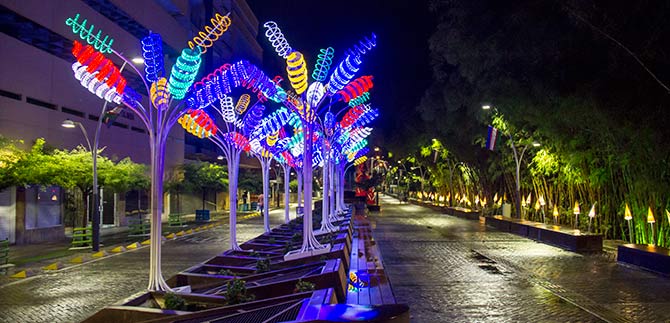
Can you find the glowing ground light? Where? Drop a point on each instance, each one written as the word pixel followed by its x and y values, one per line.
pixel 627 215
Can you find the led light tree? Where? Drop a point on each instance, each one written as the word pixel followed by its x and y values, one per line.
pixel 101 77
pixel 238 122
pixel 264 136
pixel 309 101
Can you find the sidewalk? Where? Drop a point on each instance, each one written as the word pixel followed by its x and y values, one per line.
pixel 32 258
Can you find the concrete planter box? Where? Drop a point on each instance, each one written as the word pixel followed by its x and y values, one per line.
pixel 650 257
pixel 567 239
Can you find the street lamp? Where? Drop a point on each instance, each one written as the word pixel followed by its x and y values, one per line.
pixel 94 153
pixel 518 158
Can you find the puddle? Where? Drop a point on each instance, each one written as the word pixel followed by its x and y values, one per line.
pixel 491 269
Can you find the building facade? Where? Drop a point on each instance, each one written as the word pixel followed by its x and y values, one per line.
pixel 38 91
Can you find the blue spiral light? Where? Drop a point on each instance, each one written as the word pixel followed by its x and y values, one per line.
pixel 252 119
pixel 152 51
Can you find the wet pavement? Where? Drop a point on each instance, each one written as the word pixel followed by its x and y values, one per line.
pixel 76 292
pixel 450 269
pixel 447 269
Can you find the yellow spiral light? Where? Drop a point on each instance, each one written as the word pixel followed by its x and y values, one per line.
pixel 272 139
pixel 297 71
pixel 159 93
pixel 242 103
pixel 206 38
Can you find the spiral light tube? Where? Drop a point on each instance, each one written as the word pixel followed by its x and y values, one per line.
pixel 237 139
pixel 272 123
pixel 159 94
pixel 361 99
pixel 323 63
pixel 183 72
pixel 363 46
pixel 356 88
pixel 242 103
pixel 343 73
pixel 252 119
pixel 360 160
pixel 97 64
pixel 366 117
pixel 351 116
pixel 89 81
pixel 360 133
pixel 152 52
pixel 272 139
pixel 206 38
pixel 297 71
pixel 277 39
pixel 223 80
pixel 198 123
pixel 329 123
pixel 227 109
pixel 104 45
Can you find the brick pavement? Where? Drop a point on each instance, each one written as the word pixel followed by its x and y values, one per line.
pixel 454 270
pixel 76 292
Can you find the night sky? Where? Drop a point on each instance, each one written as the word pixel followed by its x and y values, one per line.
pixel 399 63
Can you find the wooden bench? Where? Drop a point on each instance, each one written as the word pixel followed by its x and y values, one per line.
pixel 650 257
pixel 4 256
pixel 367 265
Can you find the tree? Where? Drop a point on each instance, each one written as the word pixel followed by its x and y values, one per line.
pixel 68 169
pixel 585 78
pixel 204 177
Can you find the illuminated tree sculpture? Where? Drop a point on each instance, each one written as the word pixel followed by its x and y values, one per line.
pixel 238 121
pixel 265 136
pixel 308 101
pixel 100 76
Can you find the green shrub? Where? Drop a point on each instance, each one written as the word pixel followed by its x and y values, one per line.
pixel 303 286
pixel 174 302
pixel 226 272
pixel 236 292
pixel 262 265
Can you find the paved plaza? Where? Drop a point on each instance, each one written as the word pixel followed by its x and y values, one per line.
pixel 446 268
pixel 450 269
pixel 77 292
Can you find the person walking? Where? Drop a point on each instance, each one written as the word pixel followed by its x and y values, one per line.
pixel 260 202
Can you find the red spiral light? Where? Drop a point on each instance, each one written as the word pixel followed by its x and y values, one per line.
pixel 95 61
pixel 239 140
pixel 351 116
pixel 356 88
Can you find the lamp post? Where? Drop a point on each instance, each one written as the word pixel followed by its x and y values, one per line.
pixel 94 154
pixel 518 158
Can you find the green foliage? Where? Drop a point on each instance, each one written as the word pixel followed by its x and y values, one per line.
pixel 263 265
pixel 203 176
pixel 593 108
pixel 226 272
pixel 250 180
pixel 303 286
pixel 174 302
pixel 236 292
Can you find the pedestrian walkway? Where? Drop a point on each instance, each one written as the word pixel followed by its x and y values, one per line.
pixel 450 269
pixel 76 292
pixel 34 257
